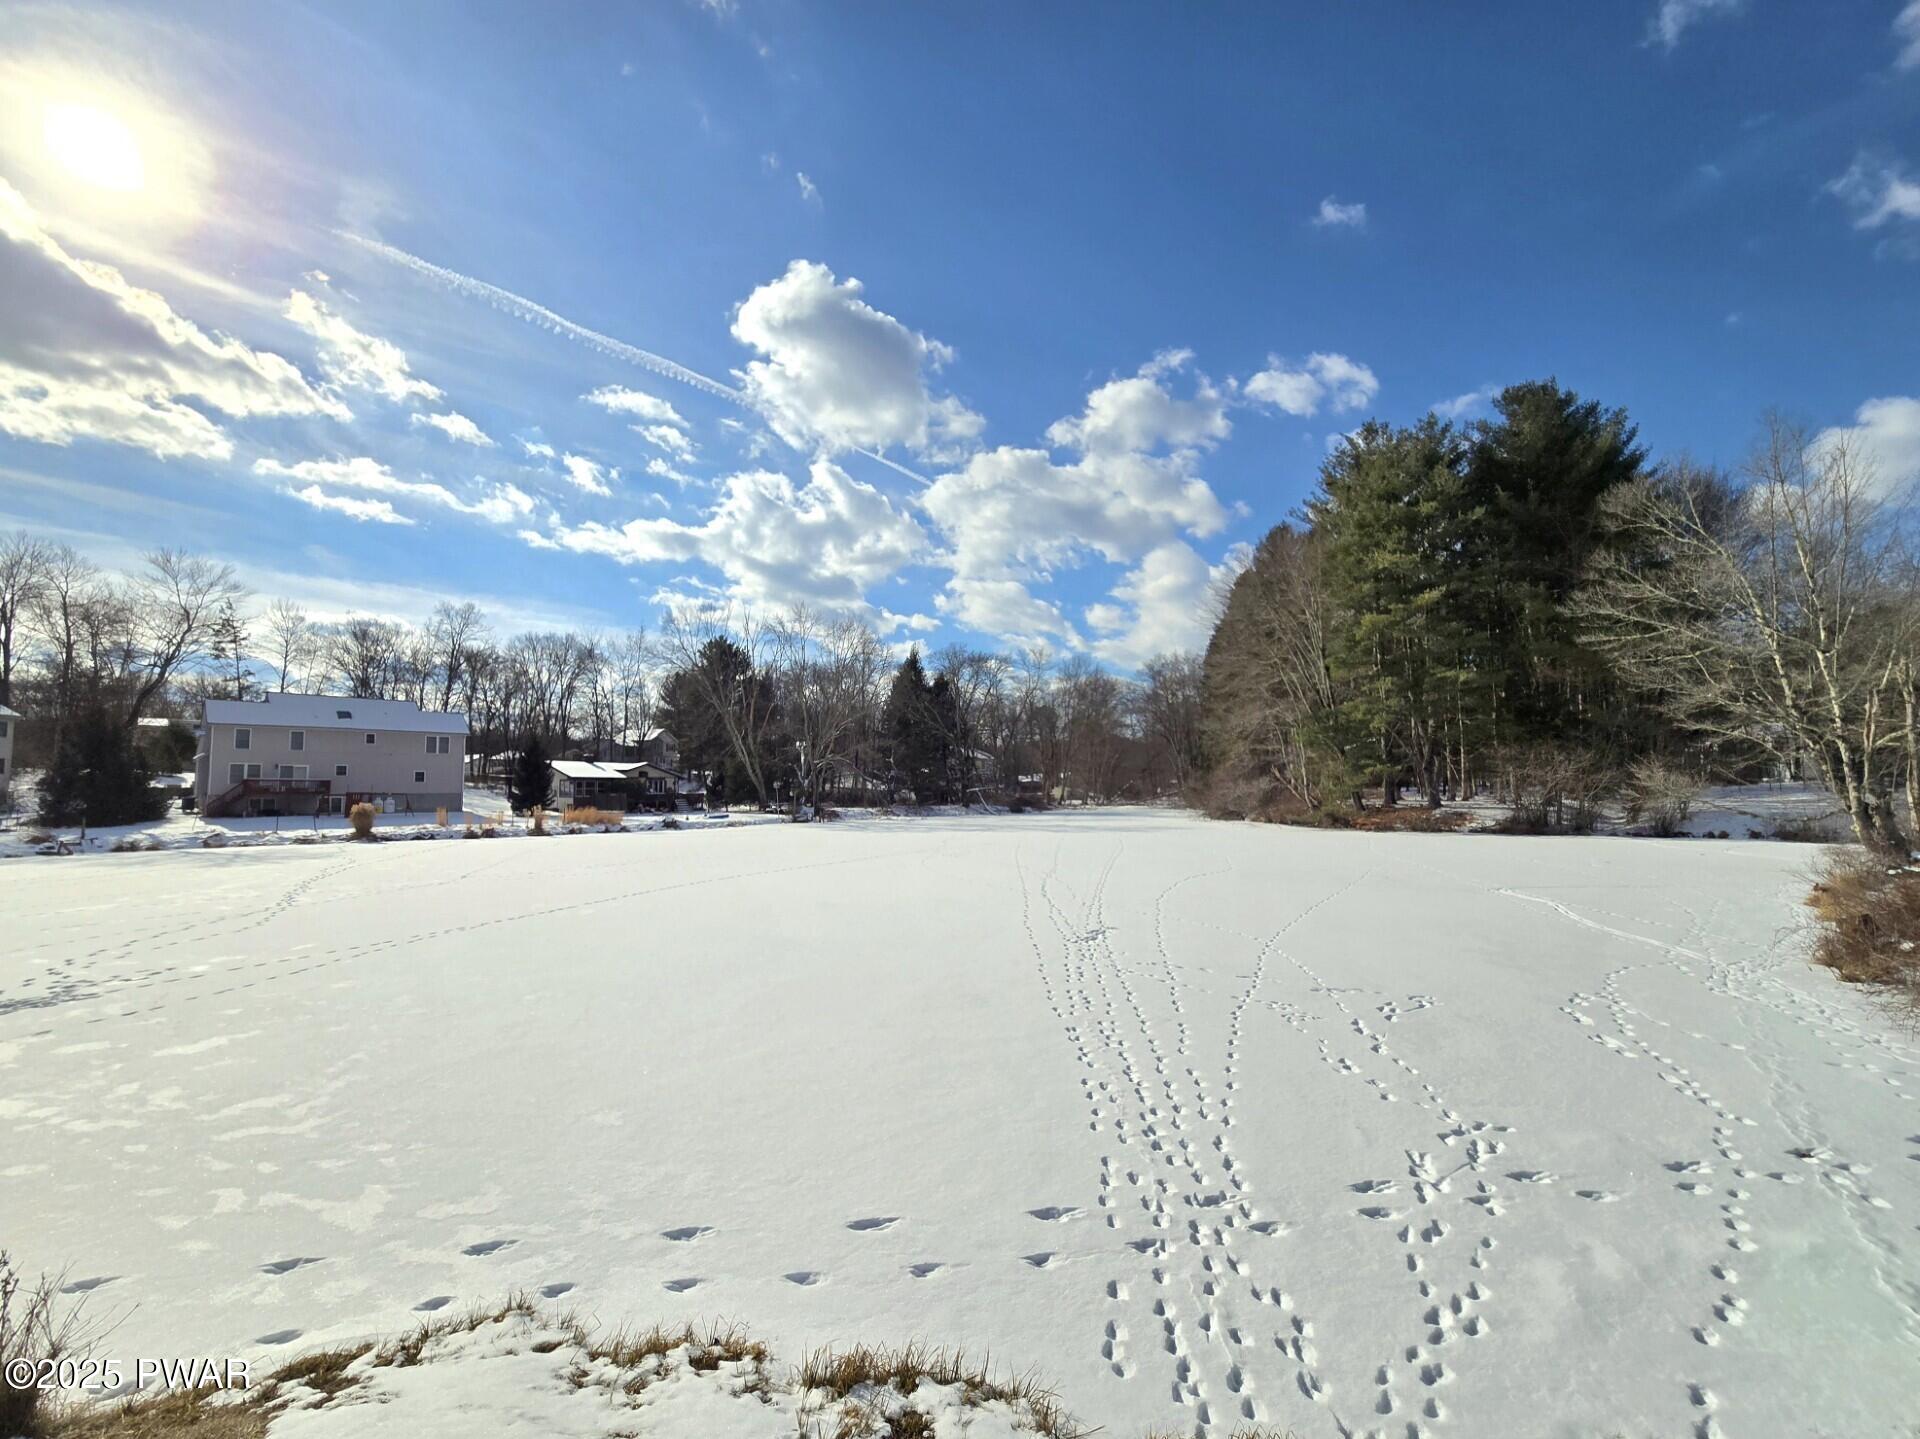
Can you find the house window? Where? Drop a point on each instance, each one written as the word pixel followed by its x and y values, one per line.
pixel 290 771
pixel 343 714
pixel 3 764
pixel 437 744
pixel 243 739
pixel 238 772
pixel 3 729
pixel 370 738
pixel 297 740
pixel 339 771
pixel 419 776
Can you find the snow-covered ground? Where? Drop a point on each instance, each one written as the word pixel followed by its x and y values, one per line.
pixel 1347 1133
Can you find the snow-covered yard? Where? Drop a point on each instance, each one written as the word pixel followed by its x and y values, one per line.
pixel 1207 1123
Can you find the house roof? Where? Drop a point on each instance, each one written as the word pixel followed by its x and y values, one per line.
pixel 335 712
pixel 6 713
pixel 585 769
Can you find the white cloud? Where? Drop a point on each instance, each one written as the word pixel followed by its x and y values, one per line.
pixel 1906 30
pixel 1010 515
pixel 839 374
pixel 826 543
pixel 619 400
pixel 1675 17
pixel 378 511
pixel 660 469
pixel 1166 604
pixel 84 354
pixel 665 437
pixel 770 162
pixel 354 359
pixel 588 475
pixel 499 504
pixel 1142 413
pixel 1329 379
pixel 1333 213
pixel 1885 432
pixel 537 449
pixel 1879 191
pixel 1005 608
pixel 1461 405
pixel 809 191
pixel 456 426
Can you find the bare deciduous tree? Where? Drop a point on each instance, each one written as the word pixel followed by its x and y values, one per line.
pixel 1781 615
pixel 176 602
pixel 290 640
pixel 24 561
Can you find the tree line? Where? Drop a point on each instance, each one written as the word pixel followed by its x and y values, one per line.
pixel 1529 606
pixel 792 709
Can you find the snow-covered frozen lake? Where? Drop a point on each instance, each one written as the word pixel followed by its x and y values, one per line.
pixel 1206 1123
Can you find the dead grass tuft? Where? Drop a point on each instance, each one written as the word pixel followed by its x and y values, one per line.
pixel 589 815
pixel 1869 911
pixel 202 1413
pixel 843 1374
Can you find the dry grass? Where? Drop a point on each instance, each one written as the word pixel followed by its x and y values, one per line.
pixel 361 818
pixel 1869 912
pixel 589 815
pixel 841 1374
pixel 201 1413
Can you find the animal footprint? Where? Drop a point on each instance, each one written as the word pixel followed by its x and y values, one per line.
pixel 1598 1196
pixel 680 1286
pixel 867 1226
pixel 1041 1260
pixel 488 1246
pixel 1053 1213
pixel 439 1301
pixel 280 1336
pixel 554 1291
pixel 686 1233
pixel 925 1270
pixel 287 1266
pixel 805 1278
pixel 87 1286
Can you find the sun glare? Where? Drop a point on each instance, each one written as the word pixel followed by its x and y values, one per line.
pixel 94 146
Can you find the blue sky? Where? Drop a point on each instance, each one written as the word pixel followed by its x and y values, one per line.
pixel 1008 324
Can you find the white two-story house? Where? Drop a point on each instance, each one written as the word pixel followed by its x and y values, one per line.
pixel 9 721
pixel 323 754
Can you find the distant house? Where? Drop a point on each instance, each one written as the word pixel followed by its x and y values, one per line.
pixel 323 754
pixel 588 782
pixel 9 721
pixel 624 785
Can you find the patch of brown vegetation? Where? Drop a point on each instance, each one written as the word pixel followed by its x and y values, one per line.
pixel 839 1374
pixel 588 814
pixel 1869 912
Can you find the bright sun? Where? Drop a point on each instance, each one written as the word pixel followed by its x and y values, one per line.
pixel 94 146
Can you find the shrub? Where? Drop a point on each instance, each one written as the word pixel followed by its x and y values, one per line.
pixel 1801 831
pixel 1869 910
pixel 670 823
pixel 361 818
pixel 1660 796
pixel 539 821
pixel 30 1330
pixel 1553 789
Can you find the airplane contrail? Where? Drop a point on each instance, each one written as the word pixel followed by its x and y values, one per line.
pixel 534 313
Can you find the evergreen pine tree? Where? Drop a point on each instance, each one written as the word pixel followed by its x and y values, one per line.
pixel 229 650
pixel 913 732
pixel 98 775
pixel 530 786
